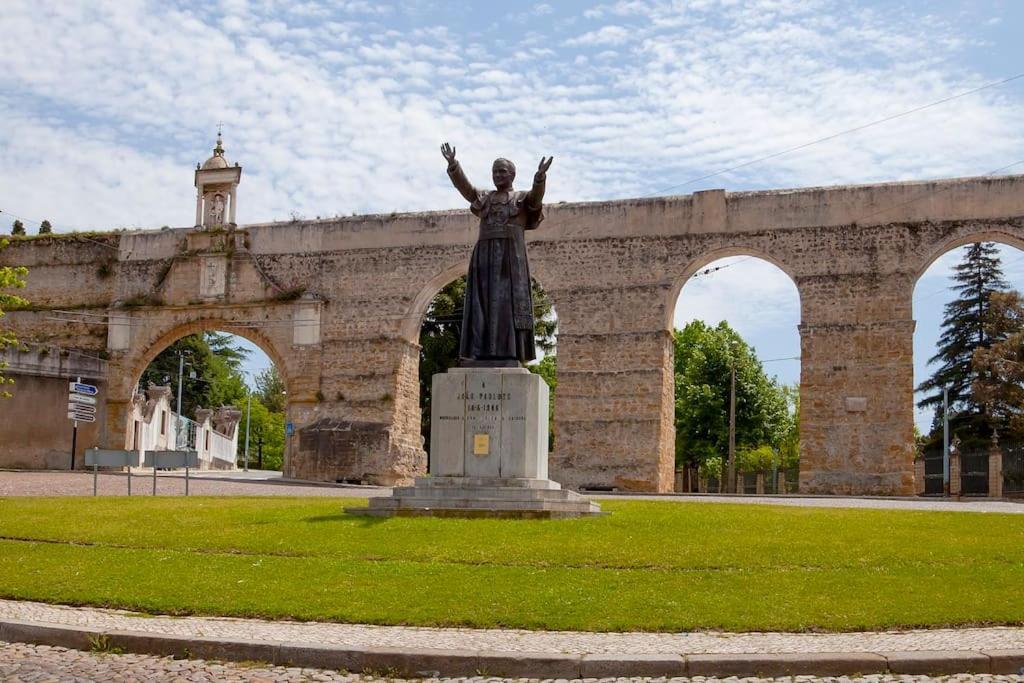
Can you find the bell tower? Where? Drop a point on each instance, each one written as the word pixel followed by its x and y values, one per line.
pixel 216 189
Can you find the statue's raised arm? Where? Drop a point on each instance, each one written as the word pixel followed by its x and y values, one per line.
pixel 458 177
pixel 535 198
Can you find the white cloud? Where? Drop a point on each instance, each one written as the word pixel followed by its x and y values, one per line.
pixel 606 35
pixel 336 107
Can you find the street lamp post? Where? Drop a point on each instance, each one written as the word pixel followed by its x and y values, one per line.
pixel 945 440
pixel 177 421
pixel 731 477
pixel 732 428
pixel 248 417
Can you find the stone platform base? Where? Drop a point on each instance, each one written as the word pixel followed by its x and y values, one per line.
pixel 481 497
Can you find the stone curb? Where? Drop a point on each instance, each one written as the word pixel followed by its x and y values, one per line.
pixel 413 662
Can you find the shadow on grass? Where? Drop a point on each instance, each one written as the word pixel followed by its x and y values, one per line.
pixel 360 520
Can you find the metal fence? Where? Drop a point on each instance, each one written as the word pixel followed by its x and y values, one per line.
pixel 974 472
pixel 1013 469
pixel 186 434
pixel 934 473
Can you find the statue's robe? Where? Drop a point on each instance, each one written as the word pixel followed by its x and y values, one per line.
pixel 497 321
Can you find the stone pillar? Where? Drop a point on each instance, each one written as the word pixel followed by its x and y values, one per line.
pixel 995 472
pixel 233 200
pixel 780 485
pixel 760 483
pixel 614 414
pixel 702 484
pixel 856 385
pixel 954 473
pixel 740 484
pixel 199 206
pixel 364 423
pixel 919 475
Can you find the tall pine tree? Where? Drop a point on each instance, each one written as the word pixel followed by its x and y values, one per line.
pixel 977 277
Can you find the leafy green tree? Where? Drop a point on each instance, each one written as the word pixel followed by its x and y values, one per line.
pixel 999 369
pixel 760 459
pixel 17 228
pixel 270 389
pixel 224 346
pixel 45 228
pixel 789 446
pixel 266 430
pixel 704 356
pixel 11 277
pixel 977 277
pixel 209 379
pixel 547 368
pixel 442 328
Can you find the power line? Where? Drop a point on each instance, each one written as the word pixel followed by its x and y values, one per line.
pixel 833 136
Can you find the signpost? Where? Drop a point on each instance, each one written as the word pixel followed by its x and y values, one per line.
pixel 171 459
pixel 81 408
pixel 101 457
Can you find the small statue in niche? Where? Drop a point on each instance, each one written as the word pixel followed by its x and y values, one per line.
pixel 217 210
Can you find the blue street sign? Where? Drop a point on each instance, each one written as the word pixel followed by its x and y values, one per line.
pixel 81 388
pixel 289 428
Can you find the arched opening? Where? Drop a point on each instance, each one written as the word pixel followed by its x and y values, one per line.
pixel 736 376
pixel 968 372
pixel 440 332
pixel 214 392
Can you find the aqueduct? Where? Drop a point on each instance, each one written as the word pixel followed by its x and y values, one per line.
pixel 338 305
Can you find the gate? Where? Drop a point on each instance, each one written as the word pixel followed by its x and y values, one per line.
pixel 1013 469
pixel 933 473
pixel 974 473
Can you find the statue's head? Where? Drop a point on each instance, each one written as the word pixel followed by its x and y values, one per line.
pixel 503 172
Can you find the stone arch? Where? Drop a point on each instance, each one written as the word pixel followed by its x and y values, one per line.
pixel 693 268
pixel 125 370
pixel 696 264
pixel 136 366
pixel 939 249
pixel 412 321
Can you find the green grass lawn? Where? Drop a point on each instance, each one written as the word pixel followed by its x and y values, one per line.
pixel 647 566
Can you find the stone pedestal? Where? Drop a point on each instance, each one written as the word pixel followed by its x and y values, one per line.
pixel 488 452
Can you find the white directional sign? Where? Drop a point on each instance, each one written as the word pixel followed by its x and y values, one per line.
pixel 82 388
pixel 84 410
pixel 81 399
pixel 81 417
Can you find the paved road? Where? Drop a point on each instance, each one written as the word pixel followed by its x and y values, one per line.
pixel 14 483
pixel 20 662
pixel 255 483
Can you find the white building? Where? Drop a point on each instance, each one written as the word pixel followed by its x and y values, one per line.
pixel 213 434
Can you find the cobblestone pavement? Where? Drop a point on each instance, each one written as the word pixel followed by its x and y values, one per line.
pixel 21 662
pixel 513 640
pixel 202 484
pixel 253 483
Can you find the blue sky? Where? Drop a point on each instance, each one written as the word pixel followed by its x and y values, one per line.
pixel 339 107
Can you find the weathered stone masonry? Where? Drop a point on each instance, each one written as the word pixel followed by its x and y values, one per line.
pixel 337 304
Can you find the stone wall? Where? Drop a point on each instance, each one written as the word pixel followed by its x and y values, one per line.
pixel 35 432
pixel 338 303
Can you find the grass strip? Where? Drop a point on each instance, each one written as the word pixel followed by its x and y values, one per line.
pixel 648 566
pixel 590 599
pixel 639 534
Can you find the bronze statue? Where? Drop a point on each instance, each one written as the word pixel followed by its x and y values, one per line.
pixel 497 321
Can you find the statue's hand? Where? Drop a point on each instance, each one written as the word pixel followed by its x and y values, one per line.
pixel 448 152
pixel 545 164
